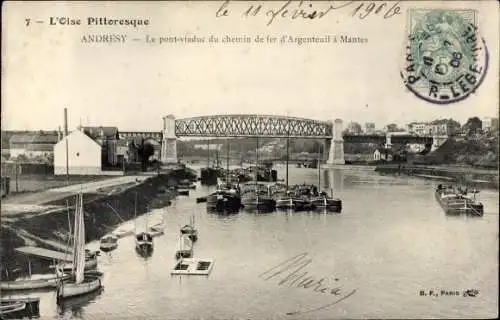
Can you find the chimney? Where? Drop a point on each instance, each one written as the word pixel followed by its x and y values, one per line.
pixel 59 134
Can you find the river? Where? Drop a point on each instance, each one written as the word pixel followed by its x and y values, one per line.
pixel 391 241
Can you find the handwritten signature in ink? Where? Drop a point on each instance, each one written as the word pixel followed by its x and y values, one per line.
pixel 292 272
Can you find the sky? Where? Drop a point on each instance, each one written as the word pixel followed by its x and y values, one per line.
pixel 132 85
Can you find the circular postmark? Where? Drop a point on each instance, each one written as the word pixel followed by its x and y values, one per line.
pixel 445 58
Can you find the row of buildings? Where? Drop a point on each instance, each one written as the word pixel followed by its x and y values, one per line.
pixel 443 127
pixel 90 149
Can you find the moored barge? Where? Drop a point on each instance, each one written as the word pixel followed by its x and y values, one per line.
pixel 458 201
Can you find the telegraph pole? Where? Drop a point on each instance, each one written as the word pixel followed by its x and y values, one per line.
pixel 66 137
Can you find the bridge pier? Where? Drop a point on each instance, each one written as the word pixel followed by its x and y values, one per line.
pixel 169 141
pixel 388 143
pixel 336 145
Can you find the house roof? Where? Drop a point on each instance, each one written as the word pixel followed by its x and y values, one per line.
pixel 96 132
pixel 50 138
pixel 34 138
pixel 22 138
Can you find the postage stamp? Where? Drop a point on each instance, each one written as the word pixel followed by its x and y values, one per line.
pixel 445 58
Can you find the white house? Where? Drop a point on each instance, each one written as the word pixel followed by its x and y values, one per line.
pixel 382 154
pixel 84 155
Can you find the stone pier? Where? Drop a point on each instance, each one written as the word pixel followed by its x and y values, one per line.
pixel 336 145
pixel 169 142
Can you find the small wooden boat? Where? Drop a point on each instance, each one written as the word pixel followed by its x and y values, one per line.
pixel 79 283
pixel 185 248
pixel 192 266
pixel 458 201
pixel 190 231
pixel 201 199
pixel 34 282
pixel 120 233
pixel 144 242
pixel 157 230
pixel 19 308
pixel 186 184
pixel 108 243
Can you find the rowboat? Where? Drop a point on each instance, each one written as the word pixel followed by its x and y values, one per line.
pixel 109 242
pixel 34 282
pixel 18 308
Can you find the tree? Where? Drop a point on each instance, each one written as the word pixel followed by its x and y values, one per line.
pixel 392 127
pixel 354 127
pixel 472 126
pixel 144 150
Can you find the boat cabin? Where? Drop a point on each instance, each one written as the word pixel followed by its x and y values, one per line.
pixel 144 236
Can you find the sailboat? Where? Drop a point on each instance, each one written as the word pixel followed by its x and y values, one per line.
pixel 79 283
pixel 143 240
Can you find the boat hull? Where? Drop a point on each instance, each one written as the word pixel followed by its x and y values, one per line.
pixel 31 284
pixel 222 203
pixel 144 246
pixel 293 204
pixel 108 247
pixel 459 205
pixel 90 264
pixel 14 308
pixel 69 289
pixel 183 254
pixel 332 205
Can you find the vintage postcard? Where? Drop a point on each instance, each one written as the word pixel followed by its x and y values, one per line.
pixel 249 160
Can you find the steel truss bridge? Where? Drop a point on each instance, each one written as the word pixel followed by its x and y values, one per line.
pixel 247 125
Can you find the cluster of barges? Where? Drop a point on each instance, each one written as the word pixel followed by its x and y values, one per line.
pixel 231 197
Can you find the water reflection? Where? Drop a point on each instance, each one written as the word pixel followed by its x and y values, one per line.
pixel 333 179
pixel 75 305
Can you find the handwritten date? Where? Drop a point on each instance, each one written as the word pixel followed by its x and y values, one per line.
pixel 305 10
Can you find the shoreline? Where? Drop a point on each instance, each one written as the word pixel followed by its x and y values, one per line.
pixel 474 177
pixel 103 213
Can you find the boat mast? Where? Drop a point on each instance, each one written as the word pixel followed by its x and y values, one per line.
pixel 135 213
pixel 227 161
pixel 80 244
pixel 75 235
pixel 319 168
pixel 208 153
pixel 66 137
pixel 287 146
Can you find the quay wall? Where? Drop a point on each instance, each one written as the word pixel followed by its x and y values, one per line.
pixel 463 175
pixel 103 213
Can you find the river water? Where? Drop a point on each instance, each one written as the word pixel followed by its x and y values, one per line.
pixel 391 241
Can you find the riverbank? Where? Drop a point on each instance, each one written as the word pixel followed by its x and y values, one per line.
pixel 103 212
pixel 482 178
